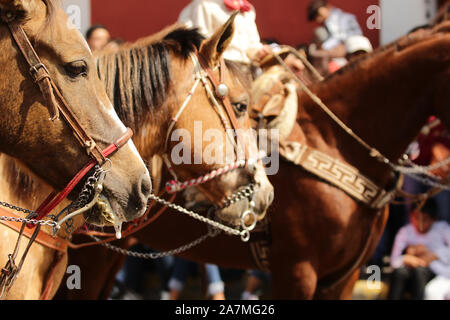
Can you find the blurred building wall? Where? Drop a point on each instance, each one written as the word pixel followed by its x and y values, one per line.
pixel 401 16
pixel 283 20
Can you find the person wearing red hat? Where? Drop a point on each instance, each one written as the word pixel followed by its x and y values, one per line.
pixel 246 46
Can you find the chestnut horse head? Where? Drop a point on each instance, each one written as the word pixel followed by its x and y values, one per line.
pixel 160 85
pixel 49 148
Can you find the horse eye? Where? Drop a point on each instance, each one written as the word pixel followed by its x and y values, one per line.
pixel 241 107
pixel 77 69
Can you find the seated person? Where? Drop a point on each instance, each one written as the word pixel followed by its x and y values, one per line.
pixel 421 251
pixel 181 271
pixel 340 26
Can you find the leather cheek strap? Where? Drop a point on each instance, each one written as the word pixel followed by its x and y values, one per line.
pixel 225 100
pixel 54 99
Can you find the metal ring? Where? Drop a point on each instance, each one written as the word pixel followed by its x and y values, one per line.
pixel 110 166
pixel 255 220
pixel 245 236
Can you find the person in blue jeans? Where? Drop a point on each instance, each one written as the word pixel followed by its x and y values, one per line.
pixel 253 283
pixel 182 269
pixel 134 271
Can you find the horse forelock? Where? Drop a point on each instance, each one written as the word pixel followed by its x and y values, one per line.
pixel 138 76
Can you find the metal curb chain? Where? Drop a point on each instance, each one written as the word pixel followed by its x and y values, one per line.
pixel 83 198
pixel 247 192
pixel 88 188
pixel 244 234
pixel 50 223
pixel 157 255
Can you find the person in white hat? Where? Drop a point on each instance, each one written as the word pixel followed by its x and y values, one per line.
pixel 246 47
pixel 357 46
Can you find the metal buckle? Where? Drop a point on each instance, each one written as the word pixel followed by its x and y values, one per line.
pixel 34 69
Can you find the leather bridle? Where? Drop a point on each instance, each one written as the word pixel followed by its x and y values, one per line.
pixel 218 96
pixel 223 96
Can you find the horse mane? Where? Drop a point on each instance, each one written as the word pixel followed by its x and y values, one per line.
pixel 138 76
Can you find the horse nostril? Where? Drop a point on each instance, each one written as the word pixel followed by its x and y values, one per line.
pixel 146 186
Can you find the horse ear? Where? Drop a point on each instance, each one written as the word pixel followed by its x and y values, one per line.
pixel 213 48
pixel 11 10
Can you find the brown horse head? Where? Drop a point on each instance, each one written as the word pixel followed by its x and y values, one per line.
pixel 48 147
pixel 150 82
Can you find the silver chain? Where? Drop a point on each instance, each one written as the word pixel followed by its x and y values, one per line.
pixel 83 199
pixel 247 192
pixel 155 255
pixel 192 214
pixel 50 223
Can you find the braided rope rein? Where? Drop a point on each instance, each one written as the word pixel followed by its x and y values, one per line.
pixel 174 186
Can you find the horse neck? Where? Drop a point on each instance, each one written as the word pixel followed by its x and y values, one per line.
pixel 383 100
pixel 20 187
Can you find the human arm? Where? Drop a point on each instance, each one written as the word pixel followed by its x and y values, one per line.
pixel 398 259
pixel 338 51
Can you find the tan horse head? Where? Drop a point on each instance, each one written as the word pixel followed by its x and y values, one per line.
pixel 165 77
pixel 49 148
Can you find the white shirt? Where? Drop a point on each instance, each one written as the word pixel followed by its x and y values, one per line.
pixel 437 240
pixel 342 25
pixel 210 15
